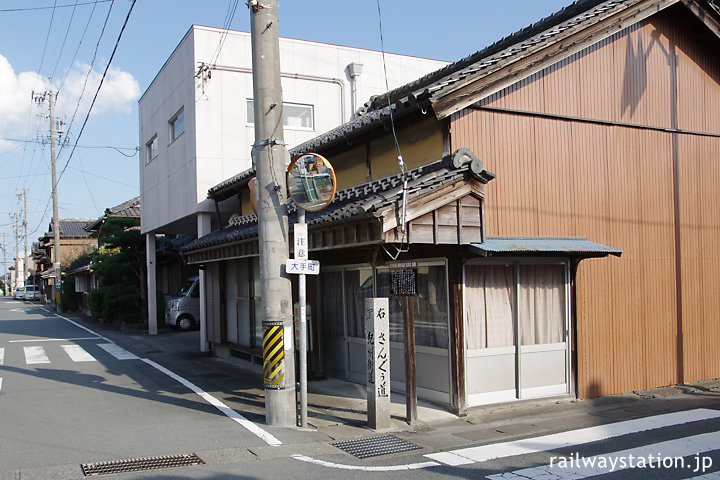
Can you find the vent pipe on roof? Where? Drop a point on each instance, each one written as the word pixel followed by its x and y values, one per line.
pixel 354 70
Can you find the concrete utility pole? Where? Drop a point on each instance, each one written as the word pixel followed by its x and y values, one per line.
pixel 5 279
pixel 40 98
pixel 17 250
pixel 25 235
pixel 56 221
pixel 270 157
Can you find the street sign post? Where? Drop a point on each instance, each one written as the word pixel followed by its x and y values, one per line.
pixel 311 184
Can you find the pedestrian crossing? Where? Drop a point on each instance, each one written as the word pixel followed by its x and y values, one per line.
pixel 39 354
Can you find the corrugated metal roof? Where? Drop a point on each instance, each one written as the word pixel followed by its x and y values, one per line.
pixel 572 246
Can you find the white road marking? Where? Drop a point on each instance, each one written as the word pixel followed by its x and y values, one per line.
pixel 229 412
pixel 0 383
pixel 573 437
pixel 38 340
pixel 388 468
pixel 641 457
pixel 35 355
pixel 117 351
pixel 2 356
pixel 78 354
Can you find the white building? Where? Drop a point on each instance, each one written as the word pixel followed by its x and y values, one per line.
pixel 196 121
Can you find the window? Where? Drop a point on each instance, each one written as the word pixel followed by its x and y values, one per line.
pixel 151 149
pixel 295 116
pixel 177 125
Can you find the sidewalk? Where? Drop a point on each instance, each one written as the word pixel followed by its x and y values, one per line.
pixel 337 409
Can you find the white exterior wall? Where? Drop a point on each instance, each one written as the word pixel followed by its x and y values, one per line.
pixel 218 135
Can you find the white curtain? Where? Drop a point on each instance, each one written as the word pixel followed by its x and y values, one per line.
pixel 541 304
pixel 490 292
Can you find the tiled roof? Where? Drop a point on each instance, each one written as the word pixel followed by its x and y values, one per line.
pixel 534 37
pixel 362 201
pixel 406 98
pixel 71 227
pixel 131 208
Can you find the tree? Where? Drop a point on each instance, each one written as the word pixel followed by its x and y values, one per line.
pixel 119 265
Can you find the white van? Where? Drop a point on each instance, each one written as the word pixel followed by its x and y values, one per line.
pixel 183 311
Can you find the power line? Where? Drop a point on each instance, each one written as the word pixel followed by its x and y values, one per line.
pixel 90 70
pixel 62 46
pixel 11 10
pixel 118 149
pixel 107 67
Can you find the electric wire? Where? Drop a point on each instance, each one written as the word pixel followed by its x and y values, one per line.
pixel 404 247
pixel 97 92
pixel 82 39
pixel 229 16
pixel 28 9
pixel 90 69
pixel 62 45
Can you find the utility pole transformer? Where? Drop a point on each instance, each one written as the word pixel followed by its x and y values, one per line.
pixel 270 157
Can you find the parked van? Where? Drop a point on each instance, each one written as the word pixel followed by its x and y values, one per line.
pixel 32 292
pixel 183 311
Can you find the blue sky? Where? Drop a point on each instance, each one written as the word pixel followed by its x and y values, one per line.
pixel 74 41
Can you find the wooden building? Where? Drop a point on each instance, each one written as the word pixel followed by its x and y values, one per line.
pixel 600 123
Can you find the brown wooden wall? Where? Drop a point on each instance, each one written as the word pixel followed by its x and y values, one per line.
pixel 652 193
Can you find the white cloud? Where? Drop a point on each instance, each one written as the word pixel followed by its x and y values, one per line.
pixel 118 96
pixel 19 116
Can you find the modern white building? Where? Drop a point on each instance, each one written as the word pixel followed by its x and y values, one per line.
pixel 196 120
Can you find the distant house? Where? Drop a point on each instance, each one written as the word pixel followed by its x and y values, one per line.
pixel 74 241
pixel 592 133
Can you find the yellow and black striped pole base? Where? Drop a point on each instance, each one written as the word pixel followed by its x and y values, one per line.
pixel 273 357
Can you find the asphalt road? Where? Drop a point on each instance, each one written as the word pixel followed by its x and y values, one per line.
pixel 70 396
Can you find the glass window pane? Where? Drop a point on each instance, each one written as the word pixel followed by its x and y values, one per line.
pixel 431 307
pixel 243 286
pixel 395 304
pixel 177 125
pixel 294 115
pixel 542 304
pixel 358 287
pixel 332 304
pixel 298 116
pixel 231 301
pixel 489 300
pixel 257 300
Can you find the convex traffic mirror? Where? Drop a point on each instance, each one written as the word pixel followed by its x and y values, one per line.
pixel 311 182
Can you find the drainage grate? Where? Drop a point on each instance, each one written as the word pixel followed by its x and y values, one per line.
pixel 375 446
pixel 138 464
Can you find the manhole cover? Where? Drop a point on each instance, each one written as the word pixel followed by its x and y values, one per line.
pixel 138 464
pixel 375 446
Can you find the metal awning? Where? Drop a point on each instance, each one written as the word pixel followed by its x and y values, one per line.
pixel 565 246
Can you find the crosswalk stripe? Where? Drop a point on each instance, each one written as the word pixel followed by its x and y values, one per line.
pixel 0 383
pixel 662 455
pixel 78 354
pixel 2 356
pixel 35 355
pixel 574 437
pixel 117 351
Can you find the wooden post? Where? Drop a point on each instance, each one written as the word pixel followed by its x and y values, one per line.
pixel 410 377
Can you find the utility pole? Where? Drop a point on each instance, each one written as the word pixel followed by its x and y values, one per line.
pixel 270 157
pixel 56 290
pixel 15 228
pixel 5 279
pixel 25 235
